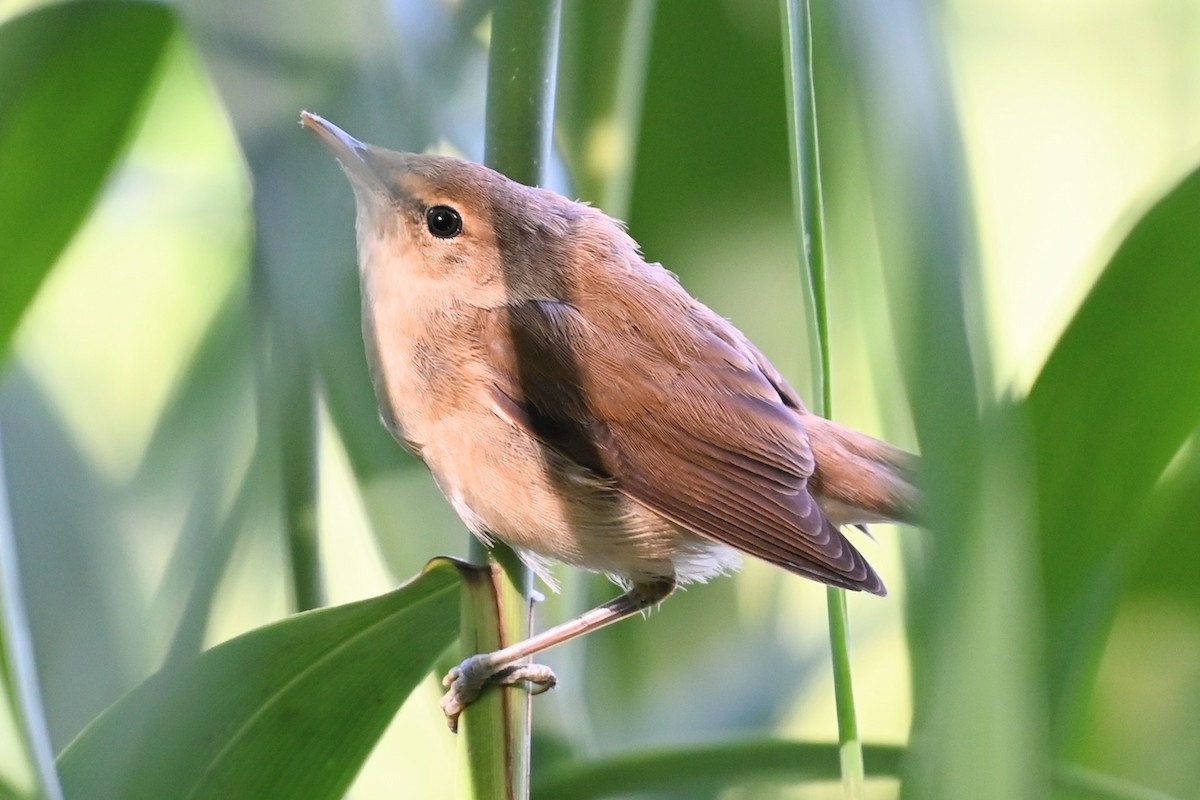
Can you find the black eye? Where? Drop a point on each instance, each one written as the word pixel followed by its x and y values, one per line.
pixel 444 222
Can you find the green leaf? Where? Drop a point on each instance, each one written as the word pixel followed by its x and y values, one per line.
pixel 1116 400
pixel 808 209
pixel 983 727
pixel 9 793
pixel 1165 562
pixel 19 668
pixel 602 71
pixel 1086 784
pixel 290 710
pixel 707 768
pixel 72 78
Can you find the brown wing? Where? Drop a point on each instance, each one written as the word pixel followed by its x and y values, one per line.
pixel 696 427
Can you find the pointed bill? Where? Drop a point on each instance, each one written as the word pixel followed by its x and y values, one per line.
pixel 350 152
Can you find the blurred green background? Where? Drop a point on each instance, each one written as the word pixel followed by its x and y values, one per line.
pixel 145 478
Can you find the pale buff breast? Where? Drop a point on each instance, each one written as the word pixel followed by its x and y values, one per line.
pixel 514 490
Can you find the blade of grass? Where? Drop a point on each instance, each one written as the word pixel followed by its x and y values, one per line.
pixel 287 420
pixel 299 455
pixel 602 90
pixel 810 232
pixel 20 669
pixel 715 767
pixel 187 639
pixel 705 768
pixel 806 191
pixel 1089 783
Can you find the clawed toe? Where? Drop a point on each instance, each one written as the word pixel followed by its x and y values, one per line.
pixel 467 680
pixel 541 676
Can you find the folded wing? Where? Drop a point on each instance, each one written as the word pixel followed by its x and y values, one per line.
pixel 694 424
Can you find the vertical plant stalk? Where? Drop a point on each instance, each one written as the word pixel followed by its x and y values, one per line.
pixel 287 422
pixel 806 193
pixel 810 231
pixel 300 456
pixel 850 748
pixel 522 65
pixel 19 667
pixel 496 728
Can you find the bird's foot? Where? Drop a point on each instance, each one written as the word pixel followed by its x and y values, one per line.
pixel 468 679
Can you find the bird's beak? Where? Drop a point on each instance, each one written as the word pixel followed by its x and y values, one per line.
pixel 353 155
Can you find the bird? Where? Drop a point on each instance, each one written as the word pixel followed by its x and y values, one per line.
pixel 572 400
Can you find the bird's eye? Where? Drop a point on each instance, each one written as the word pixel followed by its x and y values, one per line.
pixel 444 222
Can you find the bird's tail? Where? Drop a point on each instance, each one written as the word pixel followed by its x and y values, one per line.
pixel 859 479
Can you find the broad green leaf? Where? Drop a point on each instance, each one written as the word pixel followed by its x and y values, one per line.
pixel 72 77
pixel 1116 400
pixel 974 625
pixel 706 768
pixel 1148 661
pixel 1165 556
pixel 290 710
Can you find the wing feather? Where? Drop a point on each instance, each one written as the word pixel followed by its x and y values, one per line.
pixel 701 430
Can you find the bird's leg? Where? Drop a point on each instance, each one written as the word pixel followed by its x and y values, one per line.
pixel 469 678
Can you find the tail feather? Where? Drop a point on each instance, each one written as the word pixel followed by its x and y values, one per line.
pixel 859 479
